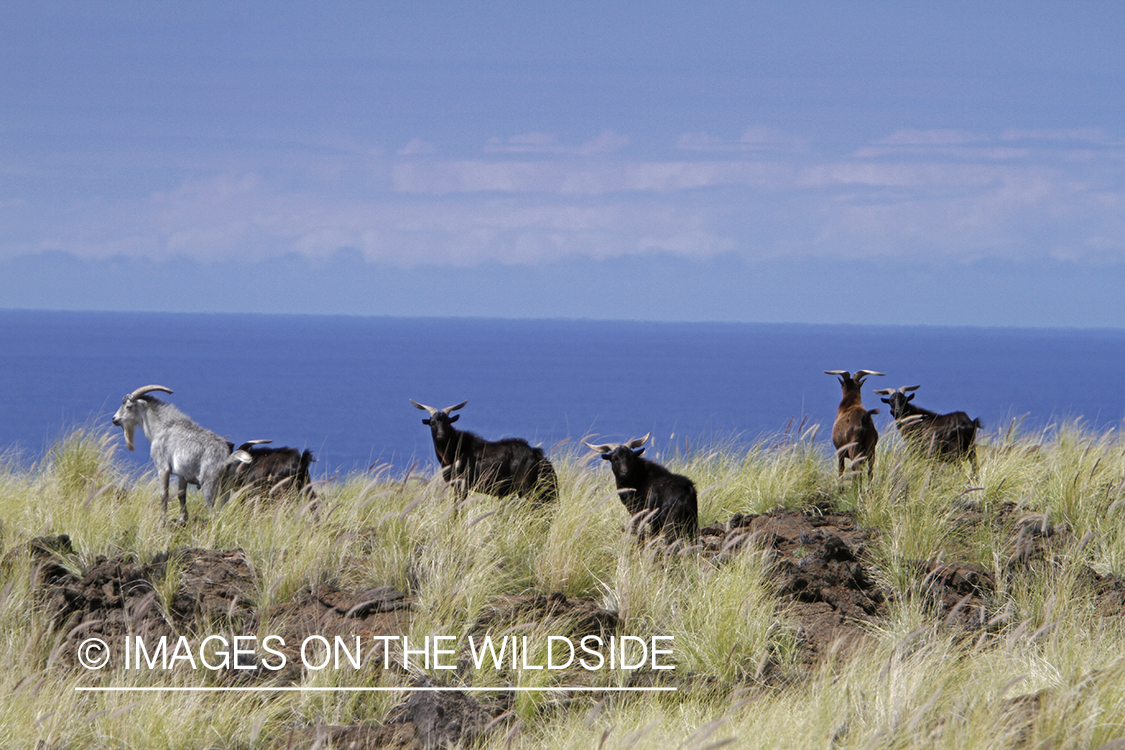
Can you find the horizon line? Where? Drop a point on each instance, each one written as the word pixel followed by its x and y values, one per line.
pixel 570 319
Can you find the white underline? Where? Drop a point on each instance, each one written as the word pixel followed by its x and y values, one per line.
pixel 190 689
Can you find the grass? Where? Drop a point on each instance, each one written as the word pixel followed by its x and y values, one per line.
pixel 1049 670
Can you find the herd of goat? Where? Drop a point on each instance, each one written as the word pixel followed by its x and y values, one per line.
pixel 658 500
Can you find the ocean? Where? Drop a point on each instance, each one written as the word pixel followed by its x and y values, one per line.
pixel 341 385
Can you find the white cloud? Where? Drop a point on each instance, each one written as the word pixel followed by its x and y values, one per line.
pixel 930 138
pixel 758 138
pixel 606 142
pixel 546 143
pixel 568 178
pixel 1082 135
pixel 961 153
pixel 901 175
pixel 417 146
pixel 591 200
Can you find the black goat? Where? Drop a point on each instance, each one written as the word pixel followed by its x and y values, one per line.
pixel 948 437
pixel 654 496
pixel 273 470
pixel 498 468
pixel 853 432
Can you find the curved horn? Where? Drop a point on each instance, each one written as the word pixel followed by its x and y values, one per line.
pixel 450 409
pixel 145 389
pixel 433 412
pixel 906 388
pixel 607 448
pixel 845 373
pixel 865 373
pixel 886 391
pixel 638 442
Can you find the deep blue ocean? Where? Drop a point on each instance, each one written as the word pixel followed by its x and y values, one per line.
pixel 341 385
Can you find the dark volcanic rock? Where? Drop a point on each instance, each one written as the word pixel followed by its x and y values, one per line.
pixel 959 591
pixel 351 737
pixel 214 591
pixel 442 719
pixel 583 616
pixel 119 597
pixel 817 559
pixel 426 720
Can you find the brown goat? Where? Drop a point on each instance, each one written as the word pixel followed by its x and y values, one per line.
pixel 853 432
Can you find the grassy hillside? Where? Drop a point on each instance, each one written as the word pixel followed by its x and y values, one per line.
pixel 971 611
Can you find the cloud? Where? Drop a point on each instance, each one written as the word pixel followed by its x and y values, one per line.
pixel 930 138
pixel 1012 144
pixel 960 153
pixel 1082 135
pixel 546 143
pixel 245 217
pixel 417 146
pixel 901 175
pixel 566 178
pixel 759 138
pixel 590 200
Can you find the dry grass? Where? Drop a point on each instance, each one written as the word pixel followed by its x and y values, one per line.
pixel 1048 672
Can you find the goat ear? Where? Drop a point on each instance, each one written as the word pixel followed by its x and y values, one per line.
pixel 426 420
pixel 454 418
pixel 885 400
pixel 910 397
pixel 607 456
pixel 638 451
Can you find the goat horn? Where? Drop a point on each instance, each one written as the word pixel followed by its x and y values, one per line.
pixel 838 372
pixel 433 412
pixel 610 447
pixel 906 388
pixel 638 442
pixel 450 409
pixel 865 373
pixel 145 389
pixel 886 391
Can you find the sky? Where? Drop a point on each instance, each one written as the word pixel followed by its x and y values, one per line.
pixel 955 163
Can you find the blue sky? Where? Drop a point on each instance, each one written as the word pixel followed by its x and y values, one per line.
pixel 887 163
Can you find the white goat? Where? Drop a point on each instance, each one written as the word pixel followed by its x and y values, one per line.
pixel 179 446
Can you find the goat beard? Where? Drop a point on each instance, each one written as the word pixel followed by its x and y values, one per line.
pixel 129 436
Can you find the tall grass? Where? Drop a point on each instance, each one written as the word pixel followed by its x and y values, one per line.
pixel 1049 670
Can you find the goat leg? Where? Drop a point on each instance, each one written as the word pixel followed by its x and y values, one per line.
pixel 183 501
pixel 164 477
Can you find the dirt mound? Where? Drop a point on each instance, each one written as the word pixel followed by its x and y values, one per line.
pixel 958 591
pixel 327 610
pixel 351 737
pixel 818 570
pixel 215 586
pixel 113 598
pixel 442 719
pixel 211 590
pixel 426 720
pixel 580 616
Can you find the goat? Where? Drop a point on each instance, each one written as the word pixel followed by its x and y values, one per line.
pixel 853 432
pixel 664 501
pixel 498 468
pixel 274 469
pixel 946 437
pixel 179 446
